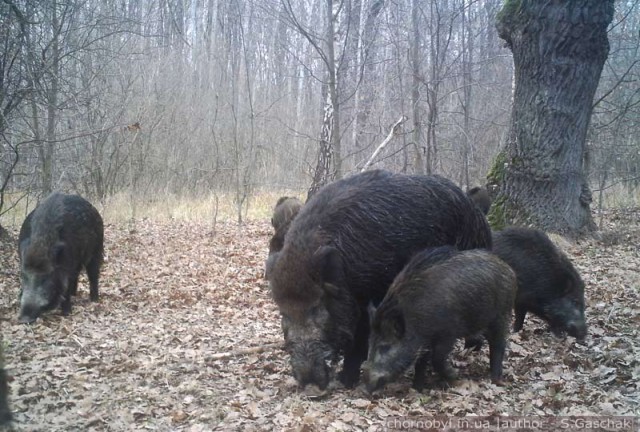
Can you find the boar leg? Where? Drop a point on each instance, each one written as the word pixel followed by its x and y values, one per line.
pixel 519 321
pixel 497 344
pixel 419 370
pixel 66 304
pixel 356 355
pixel 93 273
pixel 441 350
pixel 73 283
pixel 72 289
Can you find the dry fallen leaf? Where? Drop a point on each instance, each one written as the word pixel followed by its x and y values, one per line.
pixel 174 296
pixel 178 416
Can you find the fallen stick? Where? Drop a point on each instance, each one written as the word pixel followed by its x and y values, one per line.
pixel 245 351
pixel 392 133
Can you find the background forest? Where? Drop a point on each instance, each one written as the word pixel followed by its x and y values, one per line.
pixel 175 108
pixel 154 98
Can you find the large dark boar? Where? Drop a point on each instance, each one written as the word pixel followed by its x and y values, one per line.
pixel 343 250
pixel 284 212
pixel 441 295
pixel 548 284
pixel 63 235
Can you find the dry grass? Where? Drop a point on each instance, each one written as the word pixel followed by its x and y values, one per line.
pixel 221 207
pixel 618 196
pixel 211 208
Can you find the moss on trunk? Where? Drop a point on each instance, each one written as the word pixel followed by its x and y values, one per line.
pixel 497 171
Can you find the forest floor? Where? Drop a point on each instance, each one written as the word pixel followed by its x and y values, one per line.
pixel 179 302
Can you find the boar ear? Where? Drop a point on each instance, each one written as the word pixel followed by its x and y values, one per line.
pixel 58 253
pixel 327 264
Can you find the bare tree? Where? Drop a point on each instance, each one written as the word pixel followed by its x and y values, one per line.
pixel 366 76
pixel 328 165
pixel 234 97
pixel 416 84
pixel 13 90
pixel 611 158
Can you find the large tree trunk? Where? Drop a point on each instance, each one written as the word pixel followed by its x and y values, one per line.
pixel 559 48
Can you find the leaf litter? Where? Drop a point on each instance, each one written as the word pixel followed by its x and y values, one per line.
pixel 185 337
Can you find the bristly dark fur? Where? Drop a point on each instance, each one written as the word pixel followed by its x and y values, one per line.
pixel 426 259
pixel 481 198
pixel 441 295
pixel 549 286
pixel 285 211
pixel 375 221
pixel 61 236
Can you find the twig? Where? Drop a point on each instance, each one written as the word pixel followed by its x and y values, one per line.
pixel 76 340
pixel 245 351
pixel 392 133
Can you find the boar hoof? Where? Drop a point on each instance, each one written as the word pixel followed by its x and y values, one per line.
pixel 498 381
pixel 25 319
pixel 446 383
pixel 66 308
pixel 314 392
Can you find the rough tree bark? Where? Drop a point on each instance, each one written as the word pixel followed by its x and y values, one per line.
pixel 4 235
pixel 559 48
